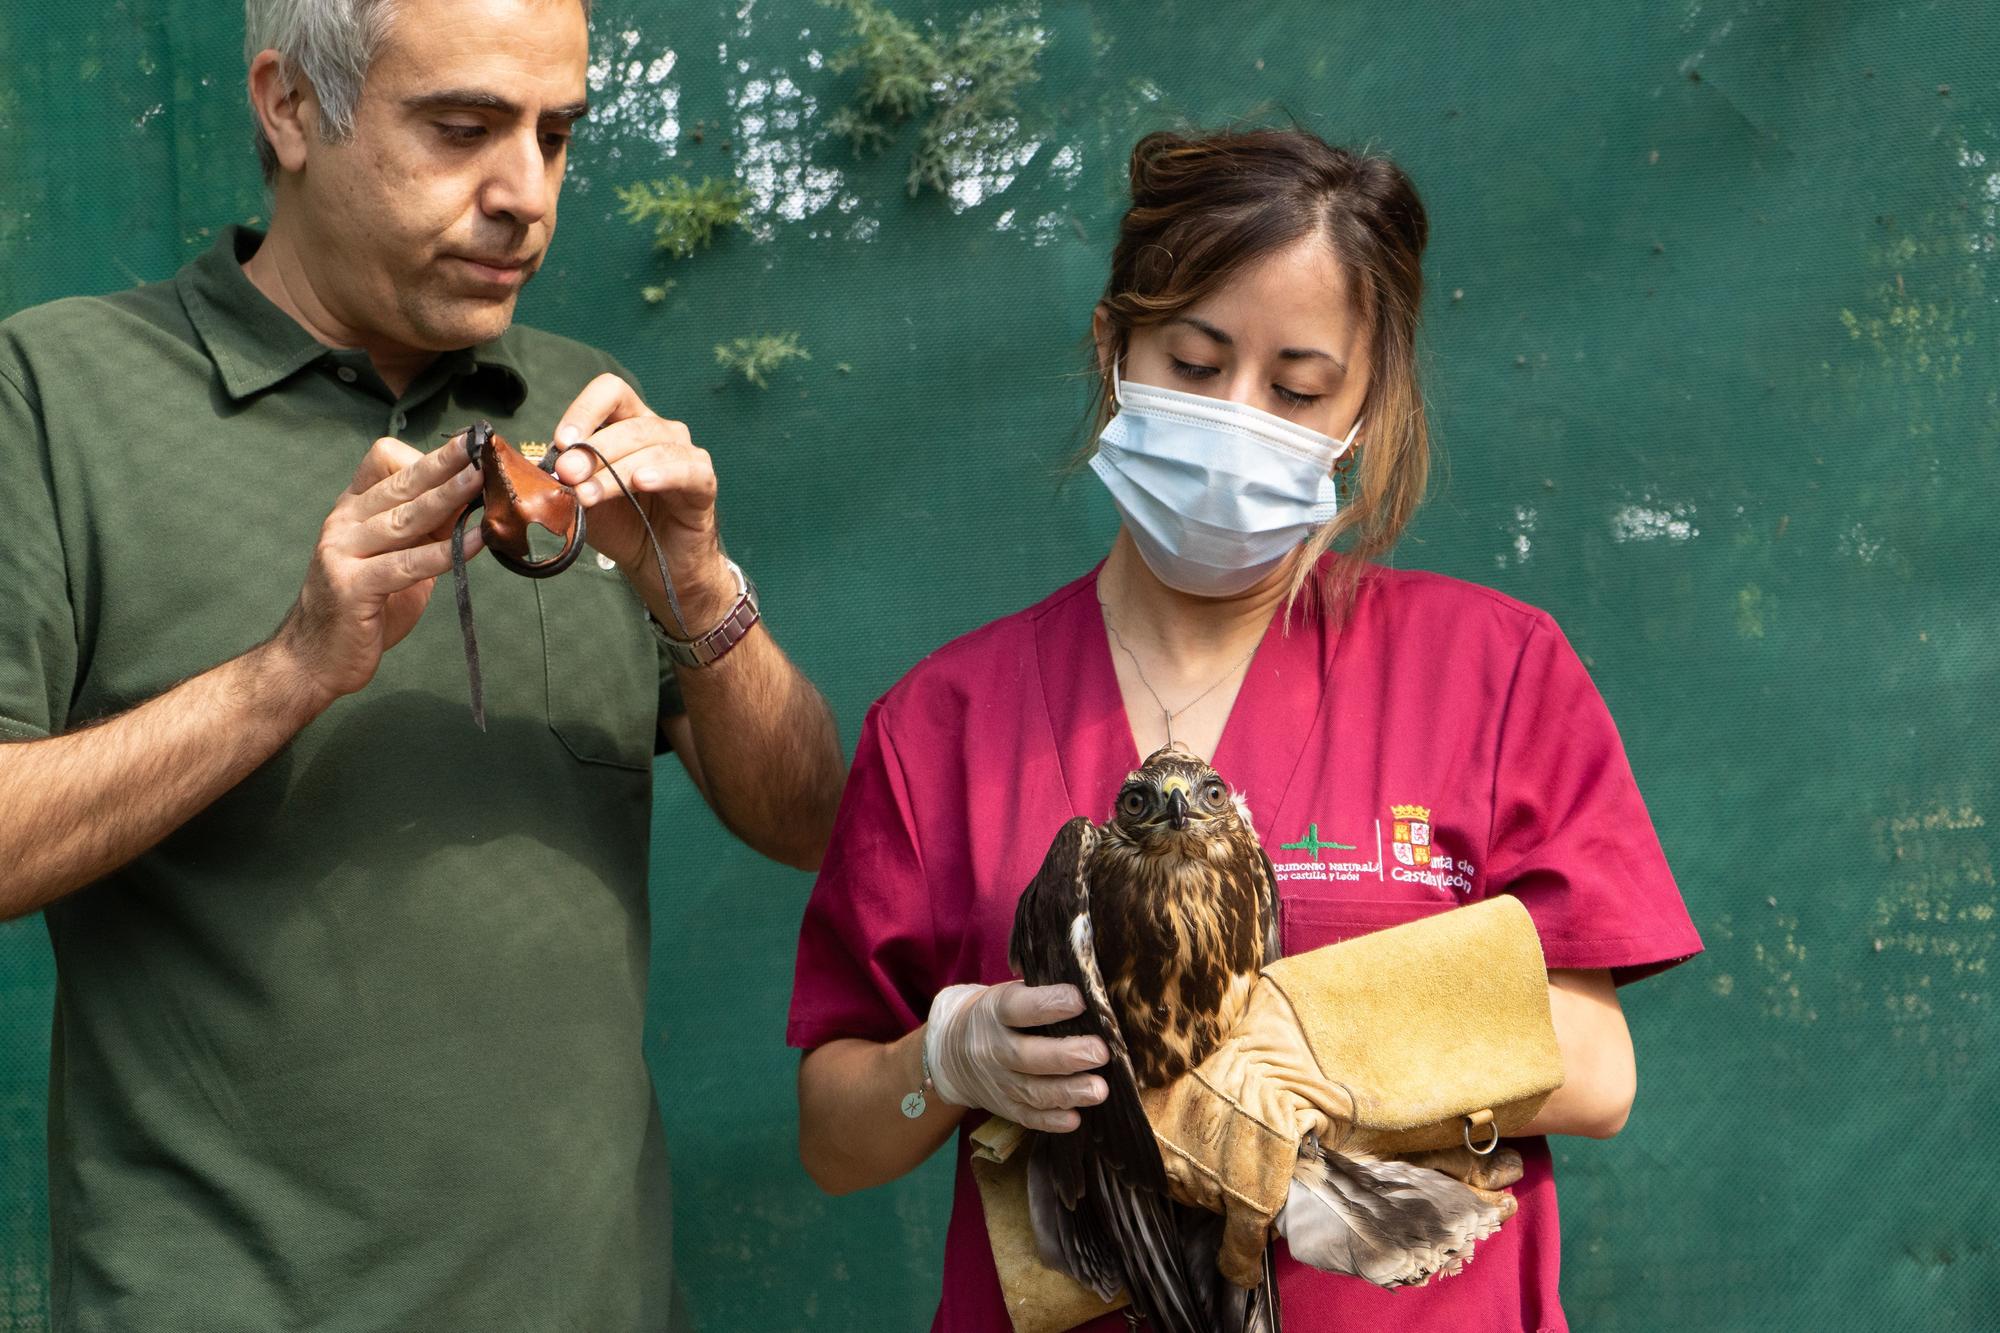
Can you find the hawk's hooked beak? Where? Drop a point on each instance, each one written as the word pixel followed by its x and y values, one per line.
pixel 1177 807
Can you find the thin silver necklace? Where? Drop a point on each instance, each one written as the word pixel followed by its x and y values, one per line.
pixel 1169 714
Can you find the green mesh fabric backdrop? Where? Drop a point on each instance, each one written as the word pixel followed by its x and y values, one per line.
pixel 1711 347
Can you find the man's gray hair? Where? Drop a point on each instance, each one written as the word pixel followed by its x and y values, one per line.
pixel 331 43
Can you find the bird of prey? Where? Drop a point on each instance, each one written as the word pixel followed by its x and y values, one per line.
pixel 1162 918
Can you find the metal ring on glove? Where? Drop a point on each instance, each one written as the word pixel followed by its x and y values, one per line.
pixel 1485 1118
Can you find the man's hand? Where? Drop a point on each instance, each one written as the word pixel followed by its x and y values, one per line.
pixel 675 484
pixel 378 557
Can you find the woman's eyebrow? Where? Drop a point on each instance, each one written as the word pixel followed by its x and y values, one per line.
pixel 1310 354
pixel 1203 326
pixel 1284 353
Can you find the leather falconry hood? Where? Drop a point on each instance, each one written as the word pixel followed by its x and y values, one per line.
pixel 519 494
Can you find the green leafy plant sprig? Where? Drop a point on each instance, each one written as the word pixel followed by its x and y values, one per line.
pixel 684 217
pixel 968 81
pixel 754 357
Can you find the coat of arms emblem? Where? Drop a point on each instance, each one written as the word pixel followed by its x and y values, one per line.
pixel 1412 836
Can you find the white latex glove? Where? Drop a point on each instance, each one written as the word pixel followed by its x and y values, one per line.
pixel 978 1055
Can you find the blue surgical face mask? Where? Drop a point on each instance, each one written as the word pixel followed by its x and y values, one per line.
pixel 1215 493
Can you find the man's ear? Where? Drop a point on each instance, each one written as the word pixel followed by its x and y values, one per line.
pixel 285 113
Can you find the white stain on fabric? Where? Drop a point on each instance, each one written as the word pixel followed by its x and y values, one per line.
pixel 633 93
pixel 1066 165
pixel 1985 189
pixel 1935 922
pixel 1048 228
pixel 774 153
pixel 1652 520
pixel 1857 543
pixel 1523 529
pixel 985 161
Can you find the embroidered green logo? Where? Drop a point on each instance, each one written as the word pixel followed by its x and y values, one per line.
pixel 1311 843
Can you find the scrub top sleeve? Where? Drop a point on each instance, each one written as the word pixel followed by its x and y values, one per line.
pixel 1571 836
pixel 867 962
pixel 38 638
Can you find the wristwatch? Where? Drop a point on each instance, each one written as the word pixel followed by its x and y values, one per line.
pixel 707 649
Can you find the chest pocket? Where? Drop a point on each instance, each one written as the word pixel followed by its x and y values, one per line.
pixel 603 670
pixel 1307 923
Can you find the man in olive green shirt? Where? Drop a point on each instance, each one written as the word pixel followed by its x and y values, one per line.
pixel 350 994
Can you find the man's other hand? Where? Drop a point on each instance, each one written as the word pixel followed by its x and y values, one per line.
pixel 674 482
pixel 379 554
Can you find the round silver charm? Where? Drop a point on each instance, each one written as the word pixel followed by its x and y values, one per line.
pixel 913 1105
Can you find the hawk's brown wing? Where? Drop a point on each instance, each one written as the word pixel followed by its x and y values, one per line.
pixel 1098 1196
pixel 1053 944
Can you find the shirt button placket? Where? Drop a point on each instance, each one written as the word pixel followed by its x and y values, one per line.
pixel 347 374
pixel 398 420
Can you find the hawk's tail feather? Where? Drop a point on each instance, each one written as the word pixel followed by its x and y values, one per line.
pixel 1388 1222
pixel 1234 1309
pixel 1148 1231
pixel 1160 1252
pixel 1080 1251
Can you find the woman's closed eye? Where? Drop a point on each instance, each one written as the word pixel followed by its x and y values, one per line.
pixel 1194 370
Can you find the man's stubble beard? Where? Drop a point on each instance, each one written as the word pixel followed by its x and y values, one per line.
pixel 443 324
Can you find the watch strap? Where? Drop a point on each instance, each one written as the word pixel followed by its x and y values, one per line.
pixel 706 649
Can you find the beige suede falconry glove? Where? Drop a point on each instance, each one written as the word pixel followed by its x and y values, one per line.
pixel 1341 1106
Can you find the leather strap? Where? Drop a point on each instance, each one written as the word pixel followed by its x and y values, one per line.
pixel 465 629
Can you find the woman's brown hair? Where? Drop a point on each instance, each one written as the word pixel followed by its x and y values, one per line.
pixel 1205 207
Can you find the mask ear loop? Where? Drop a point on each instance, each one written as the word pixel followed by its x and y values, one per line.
pixel 1345 454
pixel 1117 385
pixel 1343 466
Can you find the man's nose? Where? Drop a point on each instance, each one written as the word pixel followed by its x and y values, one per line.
pixel 519 186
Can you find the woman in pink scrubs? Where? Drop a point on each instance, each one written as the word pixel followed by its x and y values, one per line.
pixel 1406 742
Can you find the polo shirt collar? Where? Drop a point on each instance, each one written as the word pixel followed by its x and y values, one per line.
pixel 255 345
pixel 501 362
